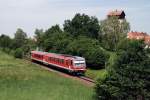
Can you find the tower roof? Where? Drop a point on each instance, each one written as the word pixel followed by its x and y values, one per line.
pixel 116 13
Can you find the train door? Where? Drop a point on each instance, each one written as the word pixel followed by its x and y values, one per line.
pixel 67 63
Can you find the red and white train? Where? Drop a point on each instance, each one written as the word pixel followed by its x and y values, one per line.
pixel 67 62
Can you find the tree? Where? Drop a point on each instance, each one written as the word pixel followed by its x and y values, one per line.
pixel 113 31
pixel 128 77
pixel 82 25
pixel 39 34
pixel 20 38
pixel 57 42
pixel 90 50
pixel 53 30
pixel 5 41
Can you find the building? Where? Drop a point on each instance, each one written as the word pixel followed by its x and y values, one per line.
pixel 118 13
pixel 147 40
pixel 139 36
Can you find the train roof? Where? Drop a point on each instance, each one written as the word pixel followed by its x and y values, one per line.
pixel 70 56
pixel 39 52
pixel 66 56
pixel 55 54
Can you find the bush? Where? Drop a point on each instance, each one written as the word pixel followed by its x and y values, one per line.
pixel 96 58
pixel 18 53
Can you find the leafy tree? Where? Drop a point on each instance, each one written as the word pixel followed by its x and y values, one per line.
pixel 128 77
pixel 53 30
pixel 82 25
pixel 28 47
pixel 90 49
pixel 20 38
pixel 5 41
pixel 45 40
pixel 58 42
pixel 39 37
pixel 113 31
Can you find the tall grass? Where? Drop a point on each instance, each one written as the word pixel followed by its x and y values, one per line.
pixel 22 80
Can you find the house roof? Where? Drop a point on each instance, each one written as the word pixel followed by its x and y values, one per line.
pixel 147 39
pixel 137 34
pixel 116 13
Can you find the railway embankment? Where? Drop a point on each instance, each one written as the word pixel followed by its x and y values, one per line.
pixel 23 80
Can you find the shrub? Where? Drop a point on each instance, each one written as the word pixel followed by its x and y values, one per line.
pixel 96 58
pixel 18 53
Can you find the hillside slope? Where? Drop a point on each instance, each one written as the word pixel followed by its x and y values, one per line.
pixel 22 80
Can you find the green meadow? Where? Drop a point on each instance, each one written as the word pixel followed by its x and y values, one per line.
pixel 23 80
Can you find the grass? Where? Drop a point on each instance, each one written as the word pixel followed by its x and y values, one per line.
pixel 95 74
pixel 22 80
pixel 101 73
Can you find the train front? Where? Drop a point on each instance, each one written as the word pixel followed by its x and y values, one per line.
pixel 79 64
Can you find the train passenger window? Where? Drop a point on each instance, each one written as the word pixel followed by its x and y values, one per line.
pixel 57 60
pixel 62 61
pixel 71 62
pixel 54 59
pixel 49 58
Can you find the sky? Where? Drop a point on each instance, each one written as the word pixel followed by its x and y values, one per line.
pixel 42 14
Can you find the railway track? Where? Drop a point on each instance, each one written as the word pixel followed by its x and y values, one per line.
pixel 86 80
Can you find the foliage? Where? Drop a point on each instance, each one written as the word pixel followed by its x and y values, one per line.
pixel 113 31
pixel 128 77
pixel 18 53
pixel 5 41
pixel 96 74
pixel 82 24
pixel 45 40
pixel 88 48
pixel 57 42
pixel 54 29
pixel 19 39
pixel 39 37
